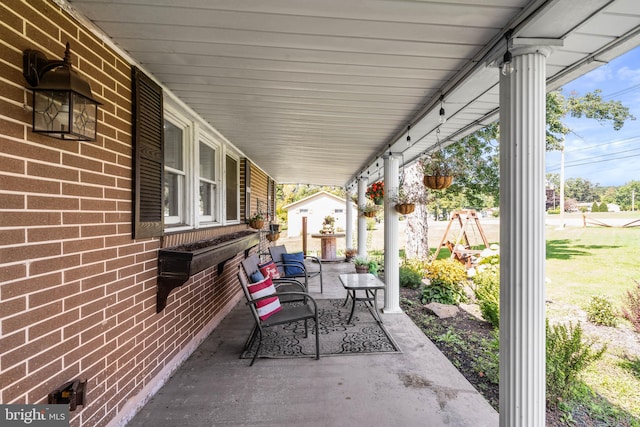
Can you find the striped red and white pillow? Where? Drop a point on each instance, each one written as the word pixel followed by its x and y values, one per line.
pixel 269 269
pixel 268 306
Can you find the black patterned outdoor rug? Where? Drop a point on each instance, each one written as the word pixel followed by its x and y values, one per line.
pixel 337 338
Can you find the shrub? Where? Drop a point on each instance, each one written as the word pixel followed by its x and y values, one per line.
pixel 487 363
pixel 631 307
pixel 446 282
pixel 600 311
pixel 487 290
pixel 416 264
pixel 410 278
pixel 567 356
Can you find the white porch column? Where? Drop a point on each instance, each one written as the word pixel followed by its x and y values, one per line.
pixel 348 209
pixel 391 245
pixel 522 240
pixel 362 223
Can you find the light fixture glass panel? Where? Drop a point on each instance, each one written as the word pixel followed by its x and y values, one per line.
pixel 50 111
pixel 84 116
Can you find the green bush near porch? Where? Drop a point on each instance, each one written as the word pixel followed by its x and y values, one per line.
pixel 447 278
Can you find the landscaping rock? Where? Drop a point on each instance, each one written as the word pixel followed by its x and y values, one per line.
pixel 443 311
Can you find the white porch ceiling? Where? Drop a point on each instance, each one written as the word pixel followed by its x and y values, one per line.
pixel 316 91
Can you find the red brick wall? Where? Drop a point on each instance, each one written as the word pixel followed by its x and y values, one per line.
pixel 77 294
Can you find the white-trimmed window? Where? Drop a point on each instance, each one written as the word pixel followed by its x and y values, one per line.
pixel 174 172
pixel 208 182
pixel 201 178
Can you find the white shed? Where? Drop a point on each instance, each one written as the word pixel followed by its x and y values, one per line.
pixel 316 207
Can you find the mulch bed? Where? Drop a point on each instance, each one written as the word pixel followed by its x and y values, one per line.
pixel 472 331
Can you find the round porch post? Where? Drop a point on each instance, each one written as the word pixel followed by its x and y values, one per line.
pixel 522 240
pixel 362 221
pixel 348 209
pixel 391 245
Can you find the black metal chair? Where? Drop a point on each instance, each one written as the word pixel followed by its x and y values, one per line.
pixel 251 264
pixel 305 273
pixel 289 313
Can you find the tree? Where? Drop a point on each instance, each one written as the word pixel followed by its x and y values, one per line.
pixel 478 158
pixel 581 189
pixel 628 196
pixel 477 154
pixel 554 179
pixel 591 106
pixel 478 166
pixel 417 230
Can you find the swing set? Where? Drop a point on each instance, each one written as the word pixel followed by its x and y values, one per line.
pixel 460 247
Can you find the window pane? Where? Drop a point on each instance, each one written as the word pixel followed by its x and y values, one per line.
pixel 171 194
pixel 207 162
pixel 172 146
pixel 232 188
pixel 207 194
pixel 174 178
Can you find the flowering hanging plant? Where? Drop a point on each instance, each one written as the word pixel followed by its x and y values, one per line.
pixel 375 190
pixel 410 193
pixel 369 208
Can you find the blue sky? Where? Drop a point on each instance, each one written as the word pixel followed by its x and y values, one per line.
pixel 595 151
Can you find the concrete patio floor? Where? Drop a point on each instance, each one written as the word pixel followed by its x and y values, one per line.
pixel 418 387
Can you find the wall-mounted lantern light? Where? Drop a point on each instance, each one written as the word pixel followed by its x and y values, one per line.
pixel 63 106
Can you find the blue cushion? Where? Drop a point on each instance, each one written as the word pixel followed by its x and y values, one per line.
pixel 256 277
pixel 296 261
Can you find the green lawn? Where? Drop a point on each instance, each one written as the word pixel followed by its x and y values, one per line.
pixel 588 261
pixel 582 262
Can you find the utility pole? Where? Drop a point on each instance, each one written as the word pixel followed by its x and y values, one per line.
pixel 562 185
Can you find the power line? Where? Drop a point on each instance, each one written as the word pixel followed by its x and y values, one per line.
pixel 622 91
pixel 601 156
pixel 592 162
pixel 622 141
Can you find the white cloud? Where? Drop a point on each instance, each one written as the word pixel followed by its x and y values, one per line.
pixel 629 74
pixel 601 74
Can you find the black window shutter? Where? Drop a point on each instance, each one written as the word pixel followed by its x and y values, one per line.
pixel 148 147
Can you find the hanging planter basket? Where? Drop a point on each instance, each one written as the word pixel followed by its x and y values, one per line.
pixel 256 223
pixel 437 182
pixel 369 214
pixel 378 201
pixel 405 208
pixel 272 237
